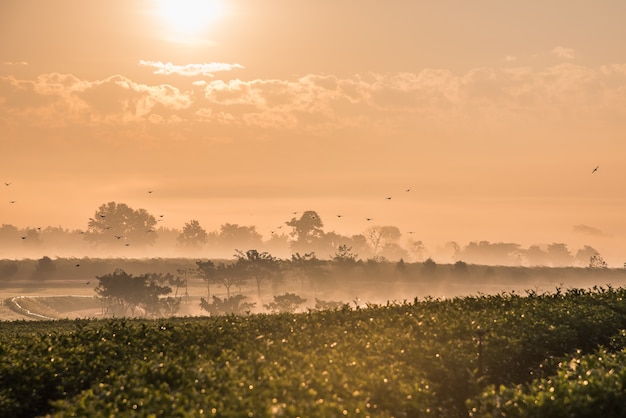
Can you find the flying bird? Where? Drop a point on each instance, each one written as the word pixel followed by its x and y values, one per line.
pixel 595 169
pixel 388 198
pixel 6 183
pixel 369 219
pixel 149 191
pixel 407 190
pixel 12 201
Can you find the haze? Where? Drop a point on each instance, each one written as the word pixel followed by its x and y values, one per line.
pixel 493 113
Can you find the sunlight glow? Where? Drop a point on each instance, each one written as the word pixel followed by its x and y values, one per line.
pixel 189 17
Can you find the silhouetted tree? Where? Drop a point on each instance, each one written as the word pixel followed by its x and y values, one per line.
pixel 418 249
pixel 45 268
pixel 328 304
pixel 460 267
pixel 559 255
pixel 345 256
pixel 360 246
pixel 380 236
pixel 259 266
pixel 193 236
pixel 32 238
pixel 305 266
pixel 485 252
pixel 374 236
pixel 207 271
pixel 230 275
pixel 288 302
pixel 584 254
pixel 9 234
pixel 233 305
pixel 597 262
pixel 117 224
pixel 124 293
pixel 307 231
pixel 429 266
pixel 8 269
pixel 393 251
pixel 232 236
pixel 536 256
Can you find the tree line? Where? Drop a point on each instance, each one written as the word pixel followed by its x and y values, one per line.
pixel 115 229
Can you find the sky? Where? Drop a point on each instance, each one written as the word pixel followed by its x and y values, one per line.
pixel 492 113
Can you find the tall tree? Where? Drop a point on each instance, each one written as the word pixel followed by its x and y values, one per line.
pixel 307 231
pixel 232 236
pixel 379 236
pixel 193 236
pixel 260 266
pixel 207 271
pixel 116 224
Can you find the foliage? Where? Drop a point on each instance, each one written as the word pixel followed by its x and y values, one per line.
pixel 260 266
pixel 307 231
pixel 591 385
pixel 8 269
pixel 288 302
pixel 327 304
pixel 118 225
pixel 231 305
pixel 410 359
pixel 125 294
pixel 192 235
pixel 45 268
pixel 597 262
pixel 344 255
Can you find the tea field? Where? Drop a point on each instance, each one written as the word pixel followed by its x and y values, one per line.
pixel 555 354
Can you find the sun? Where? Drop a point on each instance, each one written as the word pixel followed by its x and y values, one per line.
pixel 189 17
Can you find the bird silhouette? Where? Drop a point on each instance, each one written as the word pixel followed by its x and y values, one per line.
pixel 149 191
pixel 595 169
pixel 388 198
pixel 12 201
pixel 6 183
pixel 340 216
pixel 407 190
pixel 369 219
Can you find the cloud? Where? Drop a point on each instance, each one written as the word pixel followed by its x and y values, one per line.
pixel 61 100
pixel 15 63
pixel 563 52
pixel 508 99
pixel 189 70
pixel 588 230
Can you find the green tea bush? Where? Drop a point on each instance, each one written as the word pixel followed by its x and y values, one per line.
pixel 409 359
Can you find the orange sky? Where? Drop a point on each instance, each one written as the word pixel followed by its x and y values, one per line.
pixel 493 113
